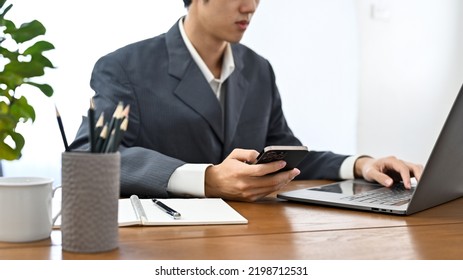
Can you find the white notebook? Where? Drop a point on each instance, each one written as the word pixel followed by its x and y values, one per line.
pixel 193 211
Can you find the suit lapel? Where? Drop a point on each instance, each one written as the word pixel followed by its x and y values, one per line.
pixel 234 101
pixel 192 88
pixel 194 91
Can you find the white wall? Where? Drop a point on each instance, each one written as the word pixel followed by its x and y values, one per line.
pixel 411 69
pixel 313 47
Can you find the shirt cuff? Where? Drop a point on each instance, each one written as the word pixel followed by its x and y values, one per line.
pixel 347 168
pixel 188 180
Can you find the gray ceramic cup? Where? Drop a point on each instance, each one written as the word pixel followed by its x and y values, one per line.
pixel 90 196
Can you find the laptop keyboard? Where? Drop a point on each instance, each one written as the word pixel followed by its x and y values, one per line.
pixel 395 195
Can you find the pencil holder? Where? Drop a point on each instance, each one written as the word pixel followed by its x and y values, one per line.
pixel 90 194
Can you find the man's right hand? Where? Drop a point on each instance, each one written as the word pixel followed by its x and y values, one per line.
pixel 236 179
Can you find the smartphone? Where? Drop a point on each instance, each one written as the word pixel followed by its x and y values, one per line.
pixel 293 155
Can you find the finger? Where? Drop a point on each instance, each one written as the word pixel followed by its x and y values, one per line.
pixel 244 155
pixel 396 171
pixel 249 157
pixel 416 170
pixel 263 186
pixel 263 169
pixel 255 190
pixel 404 174
pixel 380 177
pixel 406 170
pixel 278 179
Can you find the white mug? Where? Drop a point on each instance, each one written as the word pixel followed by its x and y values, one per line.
pixel 25 208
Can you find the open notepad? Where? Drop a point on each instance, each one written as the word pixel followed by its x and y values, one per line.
pixel 194 211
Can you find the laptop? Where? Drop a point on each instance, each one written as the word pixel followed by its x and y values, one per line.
pixel 441 181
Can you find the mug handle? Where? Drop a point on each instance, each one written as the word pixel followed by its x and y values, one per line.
pixel 59 213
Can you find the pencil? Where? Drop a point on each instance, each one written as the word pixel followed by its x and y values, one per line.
pixel 119 134
pixel 114 124
pixel 91 126
pixel 61 128
pixel 126 111
pixel 101 139
pixel 117 116
pixel 110 142
pixel 98 127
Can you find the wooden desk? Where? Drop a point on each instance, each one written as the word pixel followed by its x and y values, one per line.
pixel 282 230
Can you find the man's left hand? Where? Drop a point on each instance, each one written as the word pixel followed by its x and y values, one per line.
pixel 387 170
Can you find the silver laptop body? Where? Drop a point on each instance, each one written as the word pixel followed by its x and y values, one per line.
pixel 441 181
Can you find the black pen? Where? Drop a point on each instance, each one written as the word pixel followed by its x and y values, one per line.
pixel 176 215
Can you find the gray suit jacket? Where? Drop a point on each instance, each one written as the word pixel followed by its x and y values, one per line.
pixel 175 118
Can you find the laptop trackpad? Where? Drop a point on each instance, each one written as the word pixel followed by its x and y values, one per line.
pixel 347 188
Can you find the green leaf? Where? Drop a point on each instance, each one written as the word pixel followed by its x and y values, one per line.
pixel 10 27
pixel 11 80
pixel 7 122
pixel 18 139
pixel 2 2
pixel 28 31
pixel 20 109
pixel 13 56
pixel 3 110
pixel 45 88
pixel 39 47
pixel 7 152
pixel 25 69
pixel 42 60
pixel 5 93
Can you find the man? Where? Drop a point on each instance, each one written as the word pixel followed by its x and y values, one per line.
pixel 202 106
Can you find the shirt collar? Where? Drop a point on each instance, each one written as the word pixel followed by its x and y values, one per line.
pixel 228 64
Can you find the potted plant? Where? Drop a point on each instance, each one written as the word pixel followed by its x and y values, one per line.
pixel 21 58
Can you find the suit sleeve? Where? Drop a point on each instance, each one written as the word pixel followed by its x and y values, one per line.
pixel 143 171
